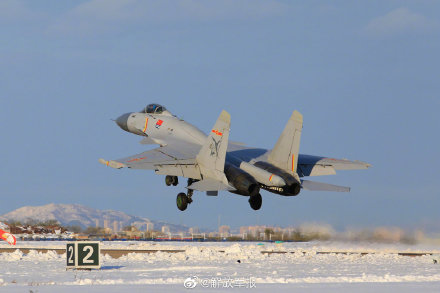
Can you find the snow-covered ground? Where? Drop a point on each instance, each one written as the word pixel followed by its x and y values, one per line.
pixel 241 266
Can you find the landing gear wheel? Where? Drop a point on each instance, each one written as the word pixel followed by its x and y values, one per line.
pixel 171 180
pixel 182 201
pixel 256 201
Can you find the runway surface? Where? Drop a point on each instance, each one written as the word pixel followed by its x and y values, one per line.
pixel 220 266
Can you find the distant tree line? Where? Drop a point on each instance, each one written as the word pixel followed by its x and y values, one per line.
pixel 33 222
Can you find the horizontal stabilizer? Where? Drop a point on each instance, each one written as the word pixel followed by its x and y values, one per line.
pixel 319 186
pixel 209 185
pixel 316 165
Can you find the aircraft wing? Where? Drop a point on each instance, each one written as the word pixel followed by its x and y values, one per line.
pixel 178 160
pixel 315 165
pixel 187 159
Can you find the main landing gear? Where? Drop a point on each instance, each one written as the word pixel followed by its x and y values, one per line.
pixel 171 180
pixel 255 201
pixel 183 199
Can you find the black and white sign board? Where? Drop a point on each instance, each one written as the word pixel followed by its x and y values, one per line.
pixel 83 255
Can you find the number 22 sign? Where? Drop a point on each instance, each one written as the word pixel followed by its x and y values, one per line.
pixel 83 255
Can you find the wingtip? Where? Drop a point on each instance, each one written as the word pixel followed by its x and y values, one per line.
pixel 112 164
pixel 297 116
pixel 367 165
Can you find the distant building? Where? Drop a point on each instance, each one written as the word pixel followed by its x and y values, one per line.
pixel 194 230
pixel 213 234
pixel 150 226
pixel 108 231
pixel 244 230
pixel 224 231
pixel 134 233
pixel 165 229
pixel 116 226
pixel 96 223
pixel 253 230
pixel 106 226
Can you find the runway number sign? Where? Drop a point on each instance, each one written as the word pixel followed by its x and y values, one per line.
pixel 83 255
pixel 70 252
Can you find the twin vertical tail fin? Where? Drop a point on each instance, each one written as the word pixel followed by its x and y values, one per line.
pixel 285 153
pixel 212 155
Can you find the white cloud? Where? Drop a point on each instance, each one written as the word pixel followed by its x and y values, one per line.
pixel 105 15
pixel 399 21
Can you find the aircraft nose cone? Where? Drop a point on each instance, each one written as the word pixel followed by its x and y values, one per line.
pixel 122 121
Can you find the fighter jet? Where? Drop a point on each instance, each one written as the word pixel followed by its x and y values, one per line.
pixel 211 163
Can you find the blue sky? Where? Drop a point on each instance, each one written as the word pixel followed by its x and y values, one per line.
pixel 365 75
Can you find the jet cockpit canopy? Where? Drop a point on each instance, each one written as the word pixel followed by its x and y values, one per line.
pixel 155 109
